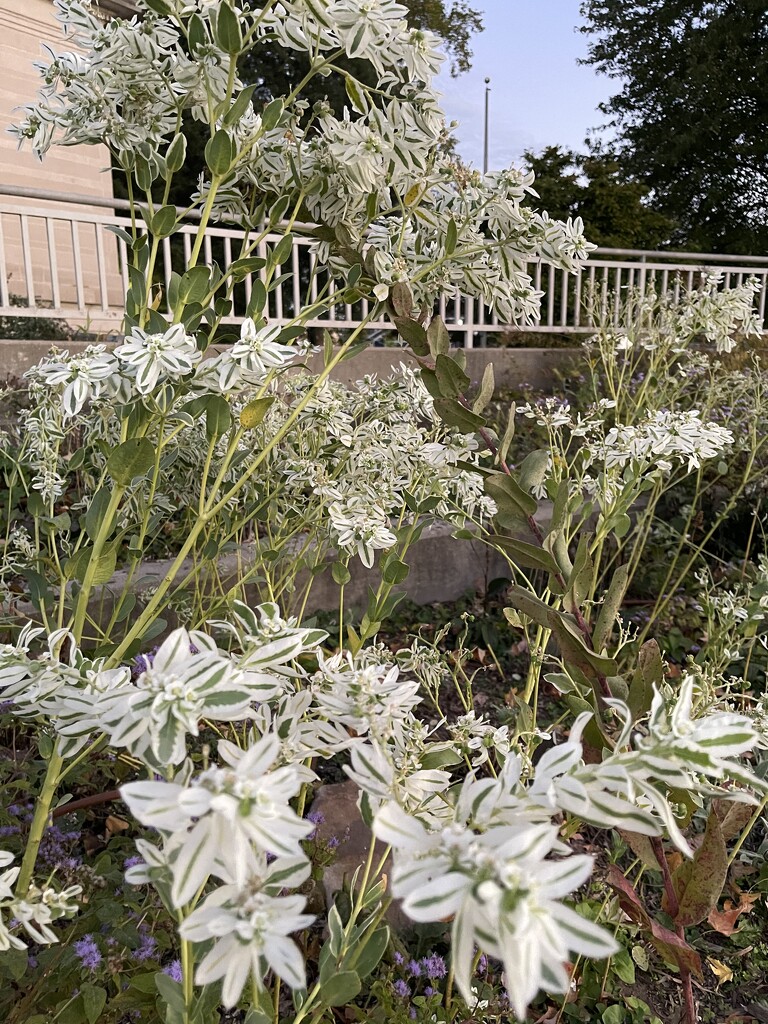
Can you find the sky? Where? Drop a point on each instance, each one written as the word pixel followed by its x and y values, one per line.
pixel 539 95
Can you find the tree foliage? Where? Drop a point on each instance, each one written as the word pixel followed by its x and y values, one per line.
pixel 691 115
pixel 594 187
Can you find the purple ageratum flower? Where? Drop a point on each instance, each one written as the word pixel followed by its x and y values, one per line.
pixel 414 968
pixel 434 966
pixel 412 1013
pixel 429 991
pixel 482 964
pixel 173 970
pixel 398 958
pixel 147 950
pixel 333 842
pixel 88 952
pixel 8 830
pixel 402 988
pixel 131 862
pixel 317 818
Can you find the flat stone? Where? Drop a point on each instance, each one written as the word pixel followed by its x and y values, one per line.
pixel 337 802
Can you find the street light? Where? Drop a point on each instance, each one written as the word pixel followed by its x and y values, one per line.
pixel 485 139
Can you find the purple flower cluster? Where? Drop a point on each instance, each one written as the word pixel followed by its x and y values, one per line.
pixel 173 970
pixel 87 951
pixel 429 968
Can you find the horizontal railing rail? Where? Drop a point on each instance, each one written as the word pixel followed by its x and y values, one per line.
pixel 60 258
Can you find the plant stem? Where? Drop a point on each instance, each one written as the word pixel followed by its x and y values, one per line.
pixel 674 908
pixel 39 822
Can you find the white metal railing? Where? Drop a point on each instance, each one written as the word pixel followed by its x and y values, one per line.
pixel 59 259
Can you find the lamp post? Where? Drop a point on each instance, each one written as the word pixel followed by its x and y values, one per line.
pixel 485 137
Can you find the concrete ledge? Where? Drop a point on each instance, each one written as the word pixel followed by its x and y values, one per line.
pixel 512 366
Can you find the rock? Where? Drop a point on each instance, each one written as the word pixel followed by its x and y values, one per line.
pixel 337 803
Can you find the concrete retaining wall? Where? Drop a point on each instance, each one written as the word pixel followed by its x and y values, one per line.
pixel 512 366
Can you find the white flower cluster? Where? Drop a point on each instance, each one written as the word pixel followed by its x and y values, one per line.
pixel 361 459
pixel 481 852
pixel 131 80
pixel 665 437
pixel 186 680
pixel 224 824
pixel 719 313
pixel 34 911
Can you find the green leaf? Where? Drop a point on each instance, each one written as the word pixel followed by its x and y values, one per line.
pixel 258 299
pixel 451 378
pixel 699 882
pixel 93 518
pixel 487 387
pixel 175 155
pixel 195 284
pixel 196 32
pixel 455 415
pixel 132 458
pixel 401 299
pixel 253 414
pixel 220 152
pixel 121 233
pixel 335 931
pixel 271 114
pixel 75 567
pixel 580 580
pixel 612 599
pixel 413 333
pixel 340 573
pixel 239 107
pixel 227 32
pixel 533 469
pixel 163 221
pixel 356 95
pixel 438 337
pixel 515 505
pixel 509 433
pixel 160 7
pixel 528 556
pixel 373 951
pixel 241 268
pixel 282 251
pixel 451 236
pixel 394 571
pixel 340 989
pixel 649 671
pixel 94 999
pixel 170 991
pixel 218 416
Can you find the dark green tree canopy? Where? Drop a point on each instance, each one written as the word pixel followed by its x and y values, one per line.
pixel 594 187
pixel 691 116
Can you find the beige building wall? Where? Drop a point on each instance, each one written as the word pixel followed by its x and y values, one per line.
pixel 24 26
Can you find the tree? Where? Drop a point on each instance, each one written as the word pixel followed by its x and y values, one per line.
pixel 594 187
pixel 692 114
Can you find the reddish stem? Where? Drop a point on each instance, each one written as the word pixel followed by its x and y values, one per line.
pixel 673 905
pixel 86 801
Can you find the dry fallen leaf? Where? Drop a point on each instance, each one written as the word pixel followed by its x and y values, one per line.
pixel 724 921
pixel 116 825
pixel 720 970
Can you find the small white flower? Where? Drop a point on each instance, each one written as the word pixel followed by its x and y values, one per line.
pixel 82 376
pixel 158 357
pixel 258 350
pixel 251 932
